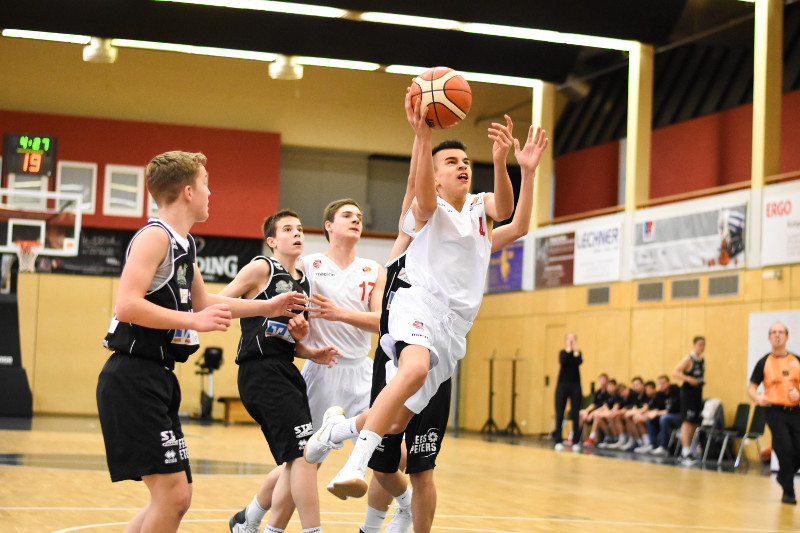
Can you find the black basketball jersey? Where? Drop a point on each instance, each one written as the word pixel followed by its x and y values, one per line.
pixel 171 288
pixel 269 336
pixel 396 278
pixel 697 370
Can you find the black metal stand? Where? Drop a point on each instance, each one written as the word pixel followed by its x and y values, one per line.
pixel 206 398
pixel 490 426
pixel 513 428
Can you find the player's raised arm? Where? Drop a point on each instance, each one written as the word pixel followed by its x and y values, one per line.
pixel 425 200
pixel 500 204
pixel 528 158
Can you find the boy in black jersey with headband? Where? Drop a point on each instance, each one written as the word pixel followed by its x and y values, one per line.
pixel 161 305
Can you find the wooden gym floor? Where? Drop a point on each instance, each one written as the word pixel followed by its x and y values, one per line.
pixel 53 479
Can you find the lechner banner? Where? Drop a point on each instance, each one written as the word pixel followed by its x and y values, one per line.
pixel 555 257
pixel 780 227
pixel 505 268
pixel 597 254
pixel 693 242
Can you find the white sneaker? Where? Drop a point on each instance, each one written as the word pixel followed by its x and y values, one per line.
pixel 617 445
pixel 558 447
pixel 238 523
pixel 644 448
pixel 577 448
pixel 660 451
pixel 631 446
pixel 349 482
pixel 401 521
pixel 320 445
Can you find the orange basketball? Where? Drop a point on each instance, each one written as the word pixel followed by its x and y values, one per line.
pixel 446 95
pixel 766 454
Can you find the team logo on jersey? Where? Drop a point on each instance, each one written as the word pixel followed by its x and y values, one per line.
pixel 278 266
pixel 418 324
pixel 186 337
pixel 283 286
pixel 180 276
pixel 389 301
pixel 276 329
pixel 317 263
pixel 474 203
pixel 402 275
pixel 184 295
pixel 366 269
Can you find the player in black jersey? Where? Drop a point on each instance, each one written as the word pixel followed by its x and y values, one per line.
pixel 691 371
pixel 270 385
pixel 161 305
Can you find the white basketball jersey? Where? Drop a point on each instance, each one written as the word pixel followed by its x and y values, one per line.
pixel 350 288
pixel 449 256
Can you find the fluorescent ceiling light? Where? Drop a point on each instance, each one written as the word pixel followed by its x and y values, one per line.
pixel 47 36
pixel 407 20
pixel 268 5
pixel 469 76
pixel 548 36
pixel 337 63
pixel 197 50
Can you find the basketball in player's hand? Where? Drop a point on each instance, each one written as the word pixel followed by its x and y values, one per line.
pixel 446 95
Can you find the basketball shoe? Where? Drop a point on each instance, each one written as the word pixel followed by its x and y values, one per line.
pixel 349 482
pixel 320 444
pixel 238 523
pixel 401 521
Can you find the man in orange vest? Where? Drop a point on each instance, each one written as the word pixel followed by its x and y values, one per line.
pixel 779 371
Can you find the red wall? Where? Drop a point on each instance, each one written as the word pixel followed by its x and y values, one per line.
pixel 243 166
pixel 705 152
pixel 586 180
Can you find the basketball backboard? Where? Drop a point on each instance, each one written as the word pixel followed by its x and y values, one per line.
pixel 52 218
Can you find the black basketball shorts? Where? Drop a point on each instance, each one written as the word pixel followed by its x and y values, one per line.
pixel 138 401
pixel 274 393
pixel 691 404
pixel 424 434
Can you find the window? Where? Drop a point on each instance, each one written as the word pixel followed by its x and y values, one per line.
pixel 152 207
pixel 79 178
pixel 123 193
pixel 28 183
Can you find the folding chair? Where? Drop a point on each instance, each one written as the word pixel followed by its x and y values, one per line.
pixel 736 431
pixel 756 430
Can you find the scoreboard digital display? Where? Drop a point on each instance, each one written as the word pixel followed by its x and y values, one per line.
pixel 29 154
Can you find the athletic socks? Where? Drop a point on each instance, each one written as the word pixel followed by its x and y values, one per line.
pixel 365 446
pixel 404 500
pixel 343 430
pixel 685 451
pixel 311 530
pixel 254 512
pixel 646 439
pixel 270 529
pixel 373 521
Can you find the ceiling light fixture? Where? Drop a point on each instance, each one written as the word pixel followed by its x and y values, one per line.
pixel 407 20
pixel 497 79
pixel 268 5
pixel 99 50
pixel 285 68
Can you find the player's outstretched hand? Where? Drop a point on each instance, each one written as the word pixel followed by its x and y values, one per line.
pixel 325 308
pixel 529 156
pixel 503 139
pixel 285 304
pixel 299 327
pixel 327 355
pixel 215 317
pixel 416 115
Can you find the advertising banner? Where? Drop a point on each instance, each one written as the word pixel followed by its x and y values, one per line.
pixel 597 254
pixel 693 242
pixel 505 268
pixel 555 260
pixel 780 227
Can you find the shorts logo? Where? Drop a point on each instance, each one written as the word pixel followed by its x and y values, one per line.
pixel 283 286
pixel 418 324
pixel 317 263
pixel 301 444
pixel 168 439
pixel 170 457
pixel 304 430
pixel 426 444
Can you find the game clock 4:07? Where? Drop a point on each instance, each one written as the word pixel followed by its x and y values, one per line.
pixel 29 154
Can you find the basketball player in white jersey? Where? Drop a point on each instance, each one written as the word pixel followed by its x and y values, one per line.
pixel 446 264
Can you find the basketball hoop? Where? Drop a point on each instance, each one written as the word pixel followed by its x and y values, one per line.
pixel 27 252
